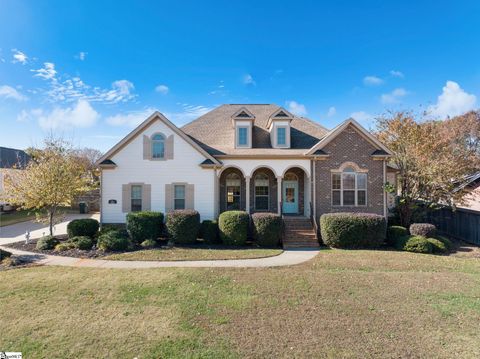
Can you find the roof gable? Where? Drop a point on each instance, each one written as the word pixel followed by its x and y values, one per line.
pixel 156 116
pixel 361 130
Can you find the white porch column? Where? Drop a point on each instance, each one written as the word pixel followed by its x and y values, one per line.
pixel 216 189
pixel 279 193
pixel 247 193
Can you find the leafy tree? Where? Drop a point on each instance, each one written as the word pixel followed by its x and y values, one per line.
pixel 433 157
pixel 51 180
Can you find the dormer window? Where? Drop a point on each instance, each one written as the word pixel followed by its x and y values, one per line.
pixel 279 127
pixel 242 122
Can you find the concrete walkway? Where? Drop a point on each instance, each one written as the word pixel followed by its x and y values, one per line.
pixel 16 233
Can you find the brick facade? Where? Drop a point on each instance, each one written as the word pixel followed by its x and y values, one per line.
pixel 349 146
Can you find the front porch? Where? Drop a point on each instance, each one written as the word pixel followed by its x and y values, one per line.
pixel 264 189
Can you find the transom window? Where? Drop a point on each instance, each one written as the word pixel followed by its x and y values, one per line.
pixel 233 191
pixel 349 188
pixel 179 196
pixel 242 136
pixel 136 198
pixel 158 146
pixel 261 192
pixel 281 136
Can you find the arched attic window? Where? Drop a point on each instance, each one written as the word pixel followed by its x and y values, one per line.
pixel 349 187
pixel 158 146
pixel 262 192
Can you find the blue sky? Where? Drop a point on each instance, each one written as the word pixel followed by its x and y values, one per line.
pixel 91 70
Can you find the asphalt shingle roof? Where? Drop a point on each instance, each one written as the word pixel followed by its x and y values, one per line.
pixel 215 133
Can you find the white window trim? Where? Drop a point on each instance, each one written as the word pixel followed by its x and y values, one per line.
pixel 239 196
pixel 184 195
pixel 237 136
pixel 262 195
pixel 356 189
pixel 287 133
pixel 141 196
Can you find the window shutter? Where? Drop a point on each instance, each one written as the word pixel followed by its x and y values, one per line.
pixel 147 148
pixel 169 148
pixel 146 197
pixel 190 196
pixel 168 197
pixel 126 198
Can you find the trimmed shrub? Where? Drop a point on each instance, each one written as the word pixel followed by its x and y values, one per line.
pixel 113 241
pixel 437 246
pixel 233 227
pixel 447 242
pixel 82 227
pixel 148 243
pixel 183 225
pixel 82 242
pixel 394 233
pixel 423 229
pixel 144 225
pixel 47 243
pixel 353 230
pixel 418 244
pixel 64 246
pixel 267 228
pixel 209 231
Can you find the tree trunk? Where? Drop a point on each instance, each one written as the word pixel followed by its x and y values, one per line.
pixel 50 219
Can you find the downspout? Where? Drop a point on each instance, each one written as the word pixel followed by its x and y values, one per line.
pixel 384 191
pixel 101 198
pixel 314 190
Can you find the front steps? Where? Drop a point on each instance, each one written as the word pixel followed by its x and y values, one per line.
pixel 299 233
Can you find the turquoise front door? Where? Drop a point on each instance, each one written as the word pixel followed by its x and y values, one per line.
pixel 290 197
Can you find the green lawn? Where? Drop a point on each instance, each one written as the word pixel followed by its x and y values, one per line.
pixel 184 253
pixel 15 217
pixel 349 304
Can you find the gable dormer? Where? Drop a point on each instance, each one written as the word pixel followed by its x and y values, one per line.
pixel 242 122
pixel 279 127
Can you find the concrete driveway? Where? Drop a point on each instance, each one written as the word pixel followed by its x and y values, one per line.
pixel 16 232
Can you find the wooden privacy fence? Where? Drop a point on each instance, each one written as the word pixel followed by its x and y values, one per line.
pixel 462 223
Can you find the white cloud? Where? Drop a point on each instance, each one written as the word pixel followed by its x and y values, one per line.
pixel 394 96
pixel 47 72
pixel 453 101
pixel 82 114
pixel 372 80
pixel 361 116
pixel 130 119
pixel 248 80
pixel 396 73
pixel 11 93
pixel 296 108
pixel 19 56
pixel 82 55
pixel 187 113
pixel 332 111
pixel 163 89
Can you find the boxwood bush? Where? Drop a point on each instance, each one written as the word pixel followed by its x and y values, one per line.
pixel 353 230
pixel 437 245
pixel 267 229
pixel 233 227
pixel 82 242
pixel 448 244
pixel 47 243
pixel 394 233
pixel 423 229
pixel 416 244
pixel 209 231
pixel 113 241
pixel 183 225
pixel 144 225
pixel 64 246
pixel 82 227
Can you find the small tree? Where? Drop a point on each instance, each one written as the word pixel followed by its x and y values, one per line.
pixel 50 181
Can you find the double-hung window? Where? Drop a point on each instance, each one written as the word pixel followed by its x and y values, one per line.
pixel 179 197
pixel 136 198
pixel 261 192
pixel 242 136
pixel 281 136
pixel 233 191
pixel 349 188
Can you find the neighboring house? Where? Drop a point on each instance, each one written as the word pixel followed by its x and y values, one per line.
pixel 250 157
pixel 11 162
pixel 472 186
